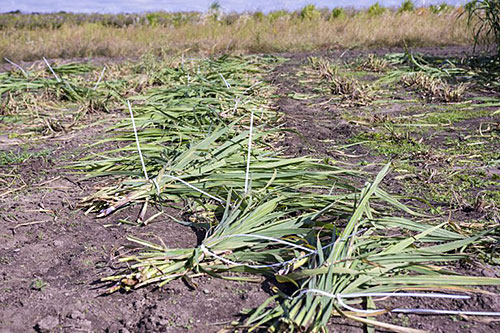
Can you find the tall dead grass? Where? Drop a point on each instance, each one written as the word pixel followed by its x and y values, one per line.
pixel 246 34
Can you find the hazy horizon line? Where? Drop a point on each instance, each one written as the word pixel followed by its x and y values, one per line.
pixel 197 6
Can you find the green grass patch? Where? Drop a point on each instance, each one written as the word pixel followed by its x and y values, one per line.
pixel 450 114
pixel 390 145
pixel 13 158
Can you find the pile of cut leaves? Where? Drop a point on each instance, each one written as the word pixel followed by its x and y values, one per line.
pixel 54 99
pixel 205 139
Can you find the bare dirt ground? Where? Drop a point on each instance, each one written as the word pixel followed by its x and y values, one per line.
pixel 52 255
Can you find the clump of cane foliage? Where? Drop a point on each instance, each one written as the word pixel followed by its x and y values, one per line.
pixel 368 256
pixel 430 80
pixel 299 220
pixel 214 165
pixel 434 88
pixel 194 133
pixel 350 90
pixel 409 63
pixel 258 235
pixel 325 69
pixel 69 91
pixel 187 125
pixel 483 16
pixel 373 63
pixel 72 68
pixel 195 148
pixel 55 81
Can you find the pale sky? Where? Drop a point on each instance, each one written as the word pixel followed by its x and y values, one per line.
pixel 138 6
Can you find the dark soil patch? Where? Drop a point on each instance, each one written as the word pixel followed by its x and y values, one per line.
pixel 315 129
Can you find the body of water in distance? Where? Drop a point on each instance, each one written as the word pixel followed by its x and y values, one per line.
pixel 140 6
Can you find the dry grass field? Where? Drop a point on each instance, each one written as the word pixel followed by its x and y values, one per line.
pixel 28 38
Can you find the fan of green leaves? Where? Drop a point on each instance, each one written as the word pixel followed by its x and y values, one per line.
pixel 370 255
pixel 483 16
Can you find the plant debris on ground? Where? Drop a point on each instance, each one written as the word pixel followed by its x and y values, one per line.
pixel 202 137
